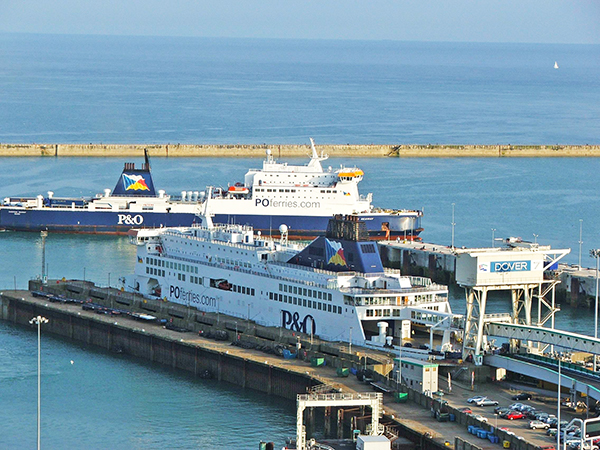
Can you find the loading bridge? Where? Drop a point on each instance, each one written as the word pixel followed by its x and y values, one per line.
pixel 566 339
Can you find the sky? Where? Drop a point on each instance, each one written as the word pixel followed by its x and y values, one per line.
pixel 527 21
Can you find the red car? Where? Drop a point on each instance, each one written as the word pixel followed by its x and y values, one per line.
pixel 515 415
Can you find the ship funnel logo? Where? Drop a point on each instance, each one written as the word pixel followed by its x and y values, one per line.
pixel 134 183
pixel 335 253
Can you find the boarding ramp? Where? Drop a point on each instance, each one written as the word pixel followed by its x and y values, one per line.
pixel 565 339
pixel 549 375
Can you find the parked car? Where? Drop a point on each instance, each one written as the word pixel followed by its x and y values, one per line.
pixel 535 424
pixel 516 406
pixel 543 416
pixel 466 410
pixel 515 415
pixel 522 396
pixel 523 408
pixel 476 398
pixel 486 402
pixel 480 417
pixel 501 409
pixel 553 421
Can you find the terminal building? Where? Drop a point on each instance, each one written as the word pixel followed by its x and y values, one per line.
pixel 417 374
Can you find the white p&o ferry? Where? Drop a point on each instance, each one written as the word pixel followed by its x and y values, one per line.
pixel 335 284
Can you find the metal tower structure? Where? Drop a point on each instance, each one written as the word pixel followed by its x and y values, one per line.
pixel 519 267
pixel 372 399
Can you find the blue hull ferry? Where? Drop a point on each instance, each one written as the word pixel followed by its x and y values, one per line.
pixel 302 197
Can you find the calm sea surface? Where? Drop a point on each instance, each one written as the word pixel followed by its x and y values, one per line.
pixel 192 90
pixel 113 89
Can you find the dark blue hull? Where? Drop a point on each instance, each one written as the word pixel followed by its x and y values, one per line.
pixel 109 222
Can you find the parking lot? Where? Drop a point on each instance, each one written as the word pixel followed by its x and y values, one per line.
pixel 502 393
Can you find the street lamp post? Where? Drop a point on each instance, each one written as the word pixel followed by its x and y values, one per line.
pixel 558 407
pixel 493 235
pixel 44 235
pixel 38 320
pixel 350 342
pixel 535 236
pixel 453 224
pixel 580 240
pixel 249 304
pixel 595 253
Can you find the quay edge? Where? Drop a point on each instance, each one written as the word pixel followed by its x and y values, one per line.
pixel 265 373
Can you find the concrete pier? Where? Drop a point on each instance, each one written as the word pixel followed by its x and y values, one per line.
pixel 438 262
pixel 250 368
pixel 434 261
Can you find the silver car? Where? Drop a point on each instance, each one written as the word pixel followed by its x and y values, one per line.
pixel 486 402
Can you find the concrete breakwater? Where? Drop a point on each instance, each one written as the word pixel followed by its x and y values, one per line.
pixel 289 150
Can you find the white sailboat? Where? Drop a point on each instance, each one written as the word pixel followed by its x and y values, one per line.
pixel 555 65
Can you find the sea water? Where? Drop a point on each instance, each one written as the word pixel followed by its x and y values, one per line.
pixel 79 89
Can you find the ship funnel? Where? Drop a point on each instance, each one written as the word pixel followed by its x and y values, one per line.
pixel 161 193
pixel 183 193
pixel 39 201
pixel 196 194
pixel 107 192
pixel 189 196
pixel 50 194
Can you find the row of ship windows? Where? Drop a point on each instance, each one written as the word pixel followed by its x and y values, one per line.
pixel 153 271
pixel 171 265
pixel 323 191
pixel 398 301
pixel 383 312
pixel 305 292
pixel 427 317
pixel 306 303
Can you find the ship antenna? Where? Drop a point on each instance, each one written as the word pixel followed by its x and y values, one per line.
pixel 314 149
pixel 206 218
pixel 147 159
pixel 315 161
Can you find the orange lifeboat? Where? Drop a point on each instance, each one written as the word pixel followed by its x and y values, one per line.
pixel 238 189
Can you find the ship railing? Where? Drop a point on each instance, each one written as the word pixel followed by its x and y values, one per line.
pixel 338 396
pixel 395 301
pixel 236 268
pixel 419 281
pixel 375 292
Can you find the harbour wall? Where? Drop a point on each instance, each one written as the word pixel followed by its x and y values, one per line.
pixel 153 343
pixel 196 355
pixel 269 374
pixel 289 150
